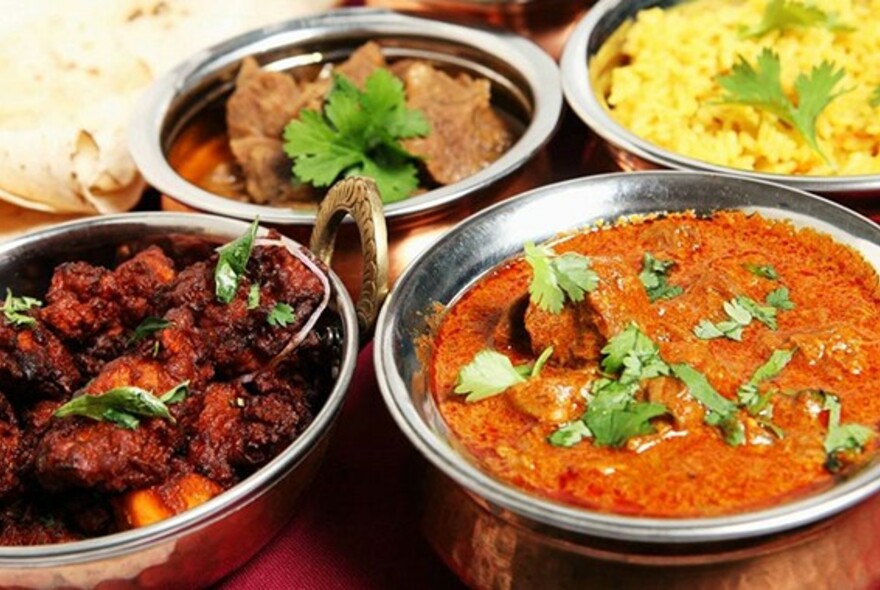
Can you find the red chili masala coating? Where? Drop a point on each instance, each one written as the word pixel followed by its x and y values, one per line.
pixel 685 468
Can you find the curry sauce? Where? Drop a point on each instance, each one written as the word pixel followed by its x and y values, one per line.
pixel 678 465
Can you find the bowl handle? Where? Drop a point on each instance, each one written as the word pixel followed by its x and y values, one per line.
pixel 359 197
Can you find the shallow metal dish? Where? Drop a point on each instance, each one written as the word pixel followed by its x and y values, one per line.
pixel 201 545
pixel 634 153
pixel 535 529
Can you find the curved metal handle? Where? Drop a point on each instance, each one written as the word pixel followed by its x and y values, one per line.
pixel 359 197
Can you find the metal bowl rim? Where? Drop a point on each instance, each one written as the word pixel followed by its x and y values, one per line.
pixel 536 509
pixel 537 68
pixel 108 546
pixel 581 97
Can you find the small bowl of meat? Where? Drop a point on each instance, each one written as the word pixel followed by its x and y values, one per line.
pixel 168 384
pixel 441 115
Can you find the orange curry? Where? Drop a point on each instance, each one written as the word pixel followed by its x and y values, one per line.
pixel 689 366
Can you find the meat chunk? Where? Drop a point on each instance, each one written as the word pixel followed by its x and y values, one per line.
pixel 268 172
pixel 10 449
pixel 25 523
pixel 466 133
pixel 572 333
pixel 263 102
pixel 550 398
pixel 35 364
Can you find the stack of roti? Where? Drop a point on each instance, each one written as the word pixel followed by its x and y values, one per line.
pixel 70 73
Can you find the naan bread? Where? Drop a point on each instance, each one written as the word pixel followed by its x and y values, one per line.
pixel 72 71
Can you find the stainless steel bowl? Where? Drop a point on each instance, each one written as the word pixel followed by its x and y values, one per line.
pixel 201 545
pixel 530 530
pixel 634 153
pixel 525 83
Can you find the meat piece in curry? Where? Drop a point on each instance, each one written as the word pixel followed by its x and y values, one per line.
pixel 144 390
pixel 675 366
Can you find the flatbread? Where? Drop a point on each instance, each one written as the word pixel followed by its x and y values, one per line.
pixel 71 73
pixel 15 220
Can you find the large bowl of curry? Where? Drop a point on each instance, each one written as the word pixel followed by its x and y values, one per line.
pixel 648 369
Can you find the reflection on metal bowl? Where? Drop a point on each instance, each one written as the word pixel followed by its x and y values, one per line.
pixel 496 535
pixel 630 151
pixel 179 128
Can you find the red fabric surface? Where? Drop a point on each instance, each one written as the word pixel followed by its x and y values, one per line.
pixel 357 527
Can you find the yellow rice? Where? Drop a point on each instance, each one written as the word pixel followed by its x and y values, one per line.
pixel 658 76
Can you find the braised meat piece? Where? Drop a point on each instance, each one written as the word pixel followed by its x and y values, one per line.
pixel 24 523
pixel 34 364
pixel 466 133
pixel 10 448
pixel 572 333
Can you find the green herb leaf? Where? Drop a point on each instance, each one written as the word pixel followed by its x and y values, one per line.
pixel 842 437
pixel 569 434
pixel 232 264
pixel 542 360
pixel 14 309
pixel 766 314
pixel 748 394
pixel 779 299
pixel 781 15
pixel 739 315
pixel 653 277
pixel 762 88
pixel 765 271
pixel 633 355
pixel 253 300
pixel 148 327
pixel 358 133
pixel 556 276
pixel 721 411
pixel 281 315
pixel 614 427
pixel 488 374
pixel 123 405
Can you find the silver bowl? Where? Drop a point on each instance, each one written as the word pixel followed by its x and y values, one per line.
pixel 635 153
pixel 525 83
pixel 541 530
pixel 201 545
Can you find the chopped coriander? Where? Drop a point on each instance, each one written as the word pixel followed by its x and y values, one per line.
pixel 780 15
pixel 542 360
pixel 281 315
pixel 720 412
pixel 634 355
pixel 653 277
pixel 762 88
pixel 232 264
pixel 765 271
pixel 779 299
pixel 359 132
pixel 488 374
pixel 253 299
pixel 842 437
pixel 766 314
pixel 748 394
pixel 569 434
pixel 14 309
pixel 123 405
pixel 556 276
pixel 740 318
pixel 148 327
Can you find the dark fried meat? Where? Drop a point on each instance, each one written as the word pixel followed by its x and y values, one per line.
pixel 35 364
pixel 572 333
pixel 10 448
pixel 25 524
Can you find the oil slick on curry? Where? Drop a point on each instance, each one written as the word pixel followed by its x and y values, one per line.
pixel 672 366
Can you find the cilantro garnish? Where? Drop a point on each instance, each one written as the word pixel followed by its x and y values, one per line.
pixel 232 264
pixel 569 434
pixel 147 327
pixel 556 276
pixel 653 277
pixel 765 271
pixel 632 354
pixel 842 437
pixel 778 298
pixel 752 400
pixel 14 307
pixel 123 405
pixel 762 88
pixel 766 314
pixel 491 373
pixel 780 15
pixel 281 315
pixel 741 311
pixel 253 299
pixel 358 133
pixel 721 411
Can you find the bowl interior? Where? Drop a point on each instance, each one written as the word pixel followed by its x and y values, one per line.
pixel 461 257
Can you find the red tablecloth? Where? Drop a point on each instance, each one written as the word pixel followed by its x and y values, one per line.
pixel 357 525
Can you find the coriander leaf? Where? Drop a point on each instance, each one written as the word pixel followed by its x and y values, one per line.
pixel 122 405
pixel 281 315
pixel 766 314
pixel 613 428
pixel 875 98
pixel 488 374
pixel 706 330
pixel 842 437
pixel 253 300
pixel 542 360
pixel 653 277
pixel 232 264
pixel 765 271
pixel 176 394
pixel 358 133
pixel 780 15
pixel 554 277
pixel 748 394
pixel 634 355
pixel 721 411
pixel 779 299
pixel 14 307
pixel 762 88
pixel 738 312
pixel 147 327
pixel 569 434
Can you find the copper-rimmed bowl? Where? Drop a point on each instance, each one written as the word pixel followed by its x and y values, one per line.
pixel 182 113
pixel 496 535
pixel 199 546
pixel 635 153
